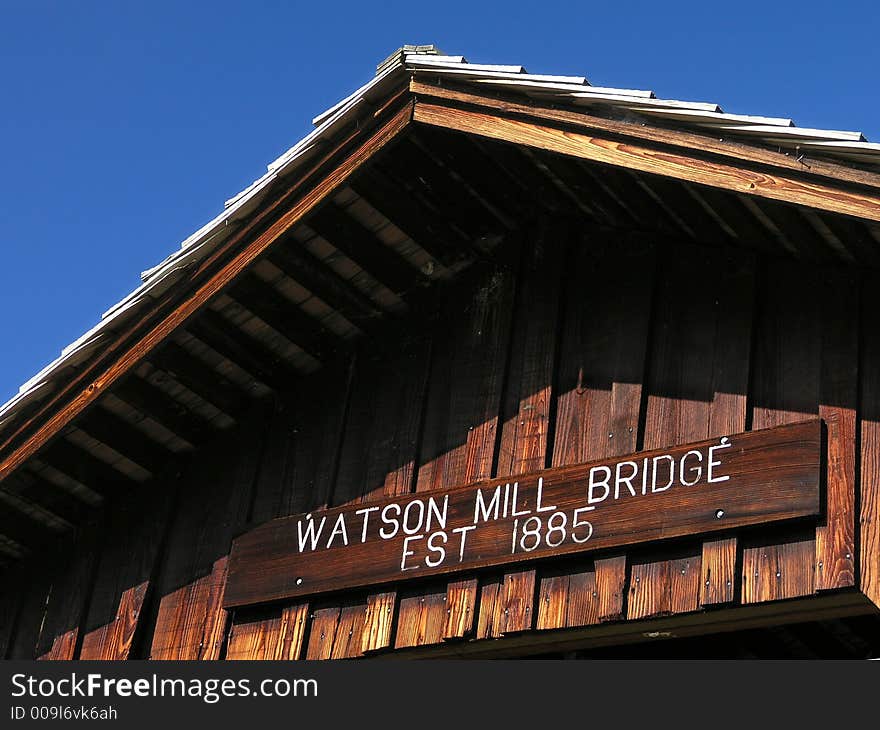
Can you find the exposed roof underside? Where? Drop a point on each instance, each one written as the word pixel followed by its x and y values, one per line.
pixel 423 209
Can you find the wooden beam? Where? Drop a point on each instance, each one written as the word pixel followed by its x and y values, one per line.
pixel 84 468
pixel 243 349
pixel 126 439
pixel 206 280
pixel 426 227
pixel 156 404
pixel 708 143
pixel 316 276
pixel 284 316
pixel 198 377
pixel 681 164
pixel 363 247
pixel 48 496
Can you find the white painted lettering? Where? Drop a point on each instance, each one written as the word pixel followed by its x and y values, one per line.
pixel 385 533
pixel 434 511
pixel 408 527
pixel 591 497
pixel 338 529
pixel 439 549
pixel 654 472
pixel 366 513
pixel 620 479
pixel 464 531
pixel 538 506
pixel 710 476
pixel 698 469
pixel 311 535
pixel 482 511
pixel 407 552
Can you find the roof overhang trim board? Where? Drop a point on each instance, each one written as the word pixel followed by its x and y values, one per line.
pixel 650 159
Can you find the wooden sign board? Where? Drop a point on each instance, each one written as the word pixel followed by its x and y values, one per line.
pixel 745 479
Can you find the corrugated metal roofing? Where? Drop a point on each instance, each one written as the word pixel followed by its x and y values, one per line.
pixel 571 90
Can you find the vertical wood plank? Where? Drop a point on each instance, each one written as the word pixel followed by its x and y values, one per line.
pixel 516 607
pixel 349 631
pixel 529 393
pixel 378 621
pixel 869 416
pixel 807 364
pixel 190 622
pixel 323 632
pixel 11 600
pixel 382 428
pixel 600 374
pixel 463 408
pixel 664 587
pixel 490 596
pixel 697 389
pixel 125 571
pixel 611 587
pixel 777 571
pixel 68 598
pixel 273 635
pixel 380 441
pixel 422 618
pixel 461 608
pixel 602 353
pixel 297 465
pixel 464 395
pixel 838 394
pixel 719 571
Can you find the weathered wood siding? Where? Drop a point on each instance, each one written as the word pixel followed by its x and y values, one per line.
pixel 578 345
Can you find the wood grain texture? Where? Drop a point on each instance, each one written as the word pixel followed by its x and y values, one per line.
pixel 276 634
pixel 190 622
pixel 490 597
pixel 718 563
pixel 69 597
pixel 528 394
pixel 664 587
pixel 611 587
pixel 515 604
pixel 673 492
pixel 382 429
pixel 869 458
pixel 464 394
pixel 463 408
pixel 207 279
pixel 421 617
pixel 461 608
pixel 737 151
pixel 601 361
pixel 322 632
pixel 806 364
pixel 777 571
pixel 697 385
pixel 529 391
pixel 699 364
pixel 348 640
pixel 838 396
pixel 126 568
pixel 568 598
pixel 681 164
pixel 378 621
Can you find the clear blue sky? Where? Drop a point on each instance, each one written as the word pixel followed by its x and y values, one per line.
pixel 124 126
